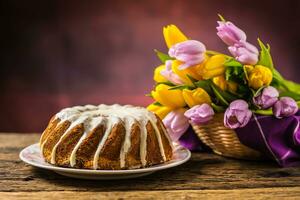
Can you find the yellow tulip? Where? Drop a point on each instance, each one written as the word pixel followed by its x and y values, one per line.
pixel 258 76
pixel 157 76
pixel 191 71
pixel 168 98
pixel 160 111
pixel 213 67
pixel 194 97
pixel 232 86
pixel 221 82
pixel 173 35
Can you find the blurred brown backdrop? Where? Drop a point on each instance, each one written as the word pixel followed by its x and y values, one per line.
pixel 56 54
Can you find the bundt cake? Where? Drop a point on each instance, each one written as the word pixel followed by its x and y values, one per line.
pixel 105 137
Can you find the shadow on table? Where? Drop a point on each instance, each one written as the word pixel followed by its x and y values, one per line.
pixel 156 181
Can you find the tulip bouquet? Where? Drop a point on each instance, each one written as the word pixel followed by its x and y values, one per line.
pixel 194 85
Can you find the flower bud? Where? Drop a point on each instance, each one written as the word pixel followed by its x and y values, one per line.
pixel 213 67
pixel 237 114
pixel 168 98
pixel 266 98
pixel 221 82
pixel 183 74
pixel 244 52
pixel 160 111
pixel 284 107
pixel 168 74
pixel 229 33
pixel 200 113
pixel 258 76
pixel 190 52
pixel 176 123
pixel 157 74
pixel 173 35
pixel 194 97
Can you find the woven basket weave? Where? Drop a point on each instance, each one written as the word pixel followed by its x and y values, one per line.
pixel 224 141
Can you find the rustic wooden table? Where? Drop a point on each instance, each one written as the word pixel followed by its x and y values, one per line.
pixel 205 176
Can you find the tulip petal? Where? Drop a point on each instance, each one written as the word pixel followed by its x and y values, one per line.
pixel 173 35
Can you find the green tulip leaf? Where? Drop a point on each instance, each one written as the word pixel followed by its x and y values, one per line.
pixel 165 83
pixel 205 85
pixel 217 108
pixel 191 78
pixel 181 87
pixel 156 103
pixel 235 74
pixel 244 91
pixel 228 73
pixel 291 86
pixel 257 92
pixel 232 63
pixel 219 95
pixel 265 57
pixel 162 56
pixel 293 95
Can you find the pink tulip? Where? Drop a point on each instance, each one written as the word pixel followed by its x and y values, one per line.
pixel 176 124
pixel 285 107
pixel 267 98
pixel 190 52
pixel 200 113
pixel 237 114
pixel 244 52
pixel 229 33
pixel 170 75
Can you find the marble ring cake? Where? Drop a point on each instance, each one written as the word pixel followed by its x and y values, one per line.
pixel 105 137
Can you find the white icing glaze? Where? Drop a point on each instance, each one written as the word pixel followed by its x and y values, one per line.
pixel 143 145
pixel 167 135
pixel 76 121
pixel 91 116
pixel 110 124
pixel 162 151
pixel 95 122
pixel 127 143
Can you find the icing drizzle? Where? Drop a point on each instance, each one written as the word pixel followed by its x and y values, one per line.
pixel 92 116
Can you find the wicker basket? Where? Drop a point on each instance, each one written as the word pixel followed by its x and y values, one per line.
pixel 224 141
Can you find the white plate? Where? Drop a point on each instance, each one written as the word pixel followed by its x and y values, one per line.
pixel 32 156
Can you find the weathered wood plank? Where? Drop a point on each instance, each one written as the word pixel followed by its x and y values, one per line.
pixel 204 171
pixel 199 173
pixel 266 193
pixel 18 140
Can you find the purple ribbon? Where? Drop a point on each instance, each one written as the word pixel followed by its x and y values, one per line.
pixel 191 141
pixel 278 139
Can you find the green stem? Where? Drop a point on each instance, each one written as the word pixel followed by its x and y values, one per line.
pixel 218 95
pixel 263 112
pixel 217 108
pixel 212 53
pixel 222 18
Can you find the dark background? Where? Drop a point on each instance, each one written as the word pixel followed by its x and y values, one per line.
pixel 56 54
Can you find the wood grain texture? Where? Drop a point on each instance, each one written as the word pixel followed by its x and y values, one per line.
pixel 205 175
pixel 267 193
